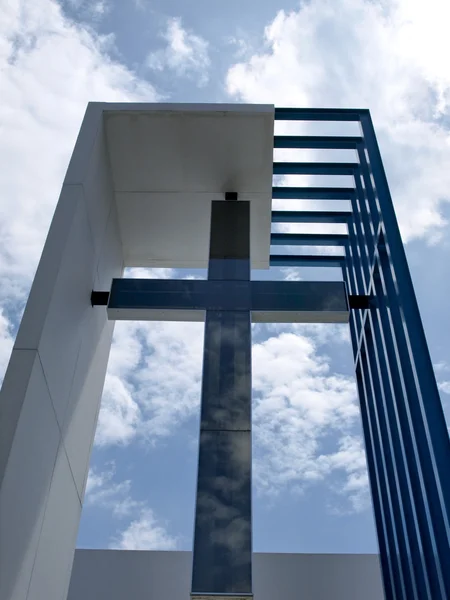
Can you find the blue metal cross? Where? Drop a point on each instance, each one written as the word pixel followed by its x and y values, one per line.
pixel 222 564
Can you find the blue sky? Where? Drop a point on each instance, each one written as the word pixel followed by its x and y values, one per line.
pixel 310 484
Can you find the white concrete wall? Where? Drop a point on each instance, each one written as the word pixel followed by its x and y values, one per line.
pixel 138 575
pixel 52 389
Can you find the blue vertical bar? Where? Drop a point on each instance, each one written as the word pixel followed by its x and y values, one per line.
pixel 426 499
pixel 366 224
pixel 376 489
pixel 348 272
pixel 405 568
pixel 405 455
pixel 418 406
pixel 354 280
pixel 370 194
pixel 222 560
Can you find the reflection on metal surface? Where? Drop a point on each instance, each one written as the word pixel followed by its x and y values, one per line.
pixel 226 385
pixel 223 546
pixel 222 562
pixel 268 301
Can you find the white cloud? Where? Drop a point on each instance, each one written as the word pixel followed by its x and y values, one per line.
pixel 99 9
pixel 388 56
pixel 291 274
pixel 144 533
pixel 349 464
pixel 169 382
pixel 241 47
pixel 186 54
pixel 319 333
pixel 444 386
pixel 90 11
pixel 119 414
pixel 442 368
pixel 140 5
pixel 95 481
pixel 103 492
pixel 6 343
pixel 153 273
pixel 298 405
pixel 153 381
pixel 50 69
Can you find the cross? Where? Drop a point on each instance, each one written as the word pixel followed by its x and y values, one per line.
pixel 228 301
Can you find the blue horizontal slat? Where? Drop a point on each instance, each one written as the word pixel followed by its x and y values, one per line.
pixel 313 193
pixel 308 239
pixel 319 114
pixel 306 260
pixel 310 216
pixel 317 142
pixel 311 168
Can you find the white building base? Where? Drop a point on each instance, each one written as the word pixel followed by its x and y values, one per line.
pixel 135 575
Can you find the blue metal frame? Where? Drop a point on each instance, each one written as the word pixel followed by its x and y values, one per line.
pixel 406 438
pixel 313 193
pixel 310 216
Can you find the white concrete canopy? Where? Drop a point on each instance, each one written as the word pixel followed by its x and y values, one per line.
pixel 169 161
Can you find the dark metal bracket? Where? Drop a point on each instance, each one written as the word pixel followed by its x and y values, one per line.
pixel 359 301
pixel 99 298
pixel 231 196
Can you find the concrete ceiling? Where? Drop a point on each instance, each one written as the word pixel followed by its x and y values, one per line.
pixel 169 162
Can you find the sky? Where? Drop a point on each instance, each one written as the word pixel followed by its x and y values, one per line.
pixel 310 488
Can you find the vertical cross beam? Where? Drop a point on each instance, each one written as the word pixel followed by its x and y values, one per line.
pixel 223 534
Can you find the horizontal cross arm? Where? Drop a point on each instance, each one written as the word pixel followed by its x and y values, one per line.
pixel 299 302
pixel 188 300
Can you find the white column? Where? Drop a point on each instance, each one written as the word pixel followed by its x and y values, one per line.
pixel 52 389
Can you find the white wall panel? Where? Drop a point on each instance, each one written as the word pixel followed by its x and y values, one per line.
pixel 27 478
pixel 53 385
pixel 69 311
pixel 12 396
pixel 58 535
pixel 98 189
pixel 135 575
pixel 42 289
pixel 82 412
